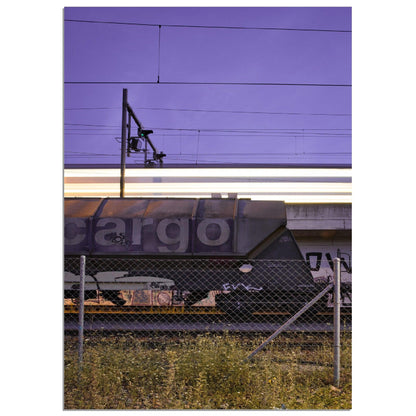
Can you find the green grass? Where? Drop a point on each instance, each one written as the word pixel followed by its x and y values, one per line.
pixel 205 372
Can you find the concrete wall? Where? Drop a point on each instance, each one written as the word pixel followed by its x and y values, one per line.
pixel 320 231
pixel 319 216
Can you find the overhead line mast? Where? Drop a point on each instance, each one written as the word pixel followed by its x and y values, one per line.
pixel 133 143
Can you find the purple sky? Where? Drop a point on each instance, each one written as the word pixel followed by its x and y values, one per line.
pixel 280 124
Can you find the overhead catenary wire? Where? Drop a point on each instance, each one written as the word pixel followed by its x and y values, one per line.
pixel 208 83
pixel 239 135
pixel 103 130
pixel 236 130
pixel 88 128
pixel 201 159
pixel 265 84
pixel 217 153
pixel 232 135
pixel 198 132
pixel 209 26
pixel 184 156
pixel 214 111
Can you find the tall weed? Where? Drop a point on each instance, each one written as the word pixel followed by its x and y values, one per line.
pixel 204 372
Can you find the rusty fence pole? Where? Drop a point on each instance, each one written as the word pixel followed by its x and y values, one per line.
pixel 81 310
pixel 337 319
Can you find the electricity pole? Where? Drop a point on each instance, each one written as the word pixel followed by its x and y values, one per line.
pixel 129 144
pixel 123 143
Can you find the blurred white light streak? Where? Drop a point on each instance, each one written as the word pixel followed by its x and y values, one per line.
pixel 326 190
pixel 210 173
pixel 223 187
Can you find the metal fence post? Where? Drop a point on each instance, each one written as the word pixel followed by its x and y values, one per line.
pixel 337 319
pixel 81 309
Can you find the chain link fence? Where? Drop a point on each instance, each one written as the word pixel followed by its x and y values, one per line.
pixel 199 294
pixel 259 302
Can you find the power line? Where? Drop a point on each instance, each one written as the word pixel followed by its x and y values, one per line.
pixel 241 112
pixel 209 26
pixel 243 130
pixel 217 111
pixel 176 155
pixel 91 108
pixel 176 128
pixel 230 133
pixel 91 125
pixel 248 132
pixel 239 136
pixel 95 130
pixel 258 154
pixel 221 157
pixel 269 84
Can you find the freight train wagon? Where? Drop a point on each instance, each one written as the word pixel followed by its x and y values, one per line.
pixel 238 249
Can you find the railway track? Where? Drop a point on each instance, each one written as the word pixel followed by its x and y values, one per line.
pixel 193 326
pixel 175 310
pixel 196 319
pixel 152 310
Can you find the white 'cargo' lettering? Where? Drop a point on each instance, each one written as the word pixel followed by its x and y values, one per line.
pixel 137 225
pixel 79 236
pixel 119 227
pixel 182 236
pixel 223 235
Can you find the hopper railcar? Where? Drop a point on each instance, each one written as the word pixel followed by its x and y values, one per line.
pixel 239 249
